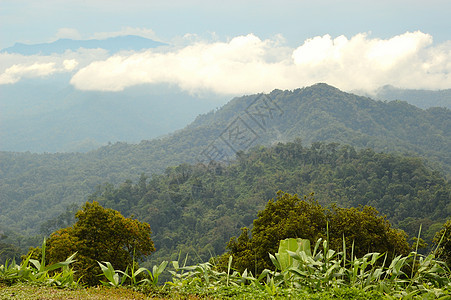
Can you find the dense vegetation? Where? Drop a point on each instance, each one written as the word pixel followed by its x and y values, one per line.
pixel 296 269
pixel 98 235
pixel 301 272
pixel 290 217
pixel 36 187
pixel 198 208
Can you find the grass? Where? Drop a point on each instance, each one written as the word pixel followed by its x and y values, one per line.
pixel 30 292
pixel 27 291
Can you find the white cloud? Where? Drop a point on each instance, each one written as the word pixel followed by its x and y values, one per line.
pixel 407 60
pixel 247 64
pixel 238 66
pixel 14 73
pixel 70 64
pixel 14 67
pixel 320 50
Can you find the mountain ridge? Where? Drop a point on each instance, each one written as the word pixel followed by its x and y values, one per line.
pixel 363 117
pixel 31 109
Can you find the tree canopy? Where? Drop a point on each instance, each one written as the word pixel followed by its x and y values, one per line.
pixel 287 216
pixel 100 235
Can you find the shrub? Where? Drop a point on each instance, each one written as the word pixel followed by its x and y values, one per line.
pixel 290 217
pixel 100 235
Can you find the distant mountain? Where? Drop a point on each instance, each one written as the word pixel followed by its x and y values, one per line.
pixel 113 45
pixel 41 185
pixel 420 98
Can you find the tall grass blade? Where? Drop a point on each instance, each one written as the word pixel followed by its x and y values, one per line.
pixel 229 266
pixel 416 251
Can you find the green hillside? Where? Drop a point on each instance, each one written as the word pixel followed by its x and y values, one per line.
pixel 38 187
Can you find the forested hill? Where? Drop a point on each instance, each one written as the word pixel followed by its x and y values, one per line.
pixel 35 187
pixel 324 113
pixel 198 208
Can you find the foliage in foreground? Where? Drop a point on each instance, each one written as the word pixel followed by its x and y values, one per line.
pixel 99 235
pixel 288 216
pixel 37 272
pixel 443 241
pixel 301 272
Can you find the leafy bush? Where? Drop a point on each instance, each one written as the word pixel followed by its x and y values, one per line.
pixel 100 235
pixel 290 217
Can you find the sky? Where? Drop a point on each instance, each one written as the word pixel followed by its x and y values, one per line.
pixel 236 47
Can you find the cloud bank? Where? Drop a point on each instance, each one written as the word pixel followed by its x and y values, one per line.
pixel 14 67
pixel 14 73
pixel 248 64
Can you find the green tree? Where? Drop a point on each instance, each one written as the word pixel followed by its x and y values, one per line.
pixel 100 235
pixel 443 240
pixel 369 231
pixel 290 217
